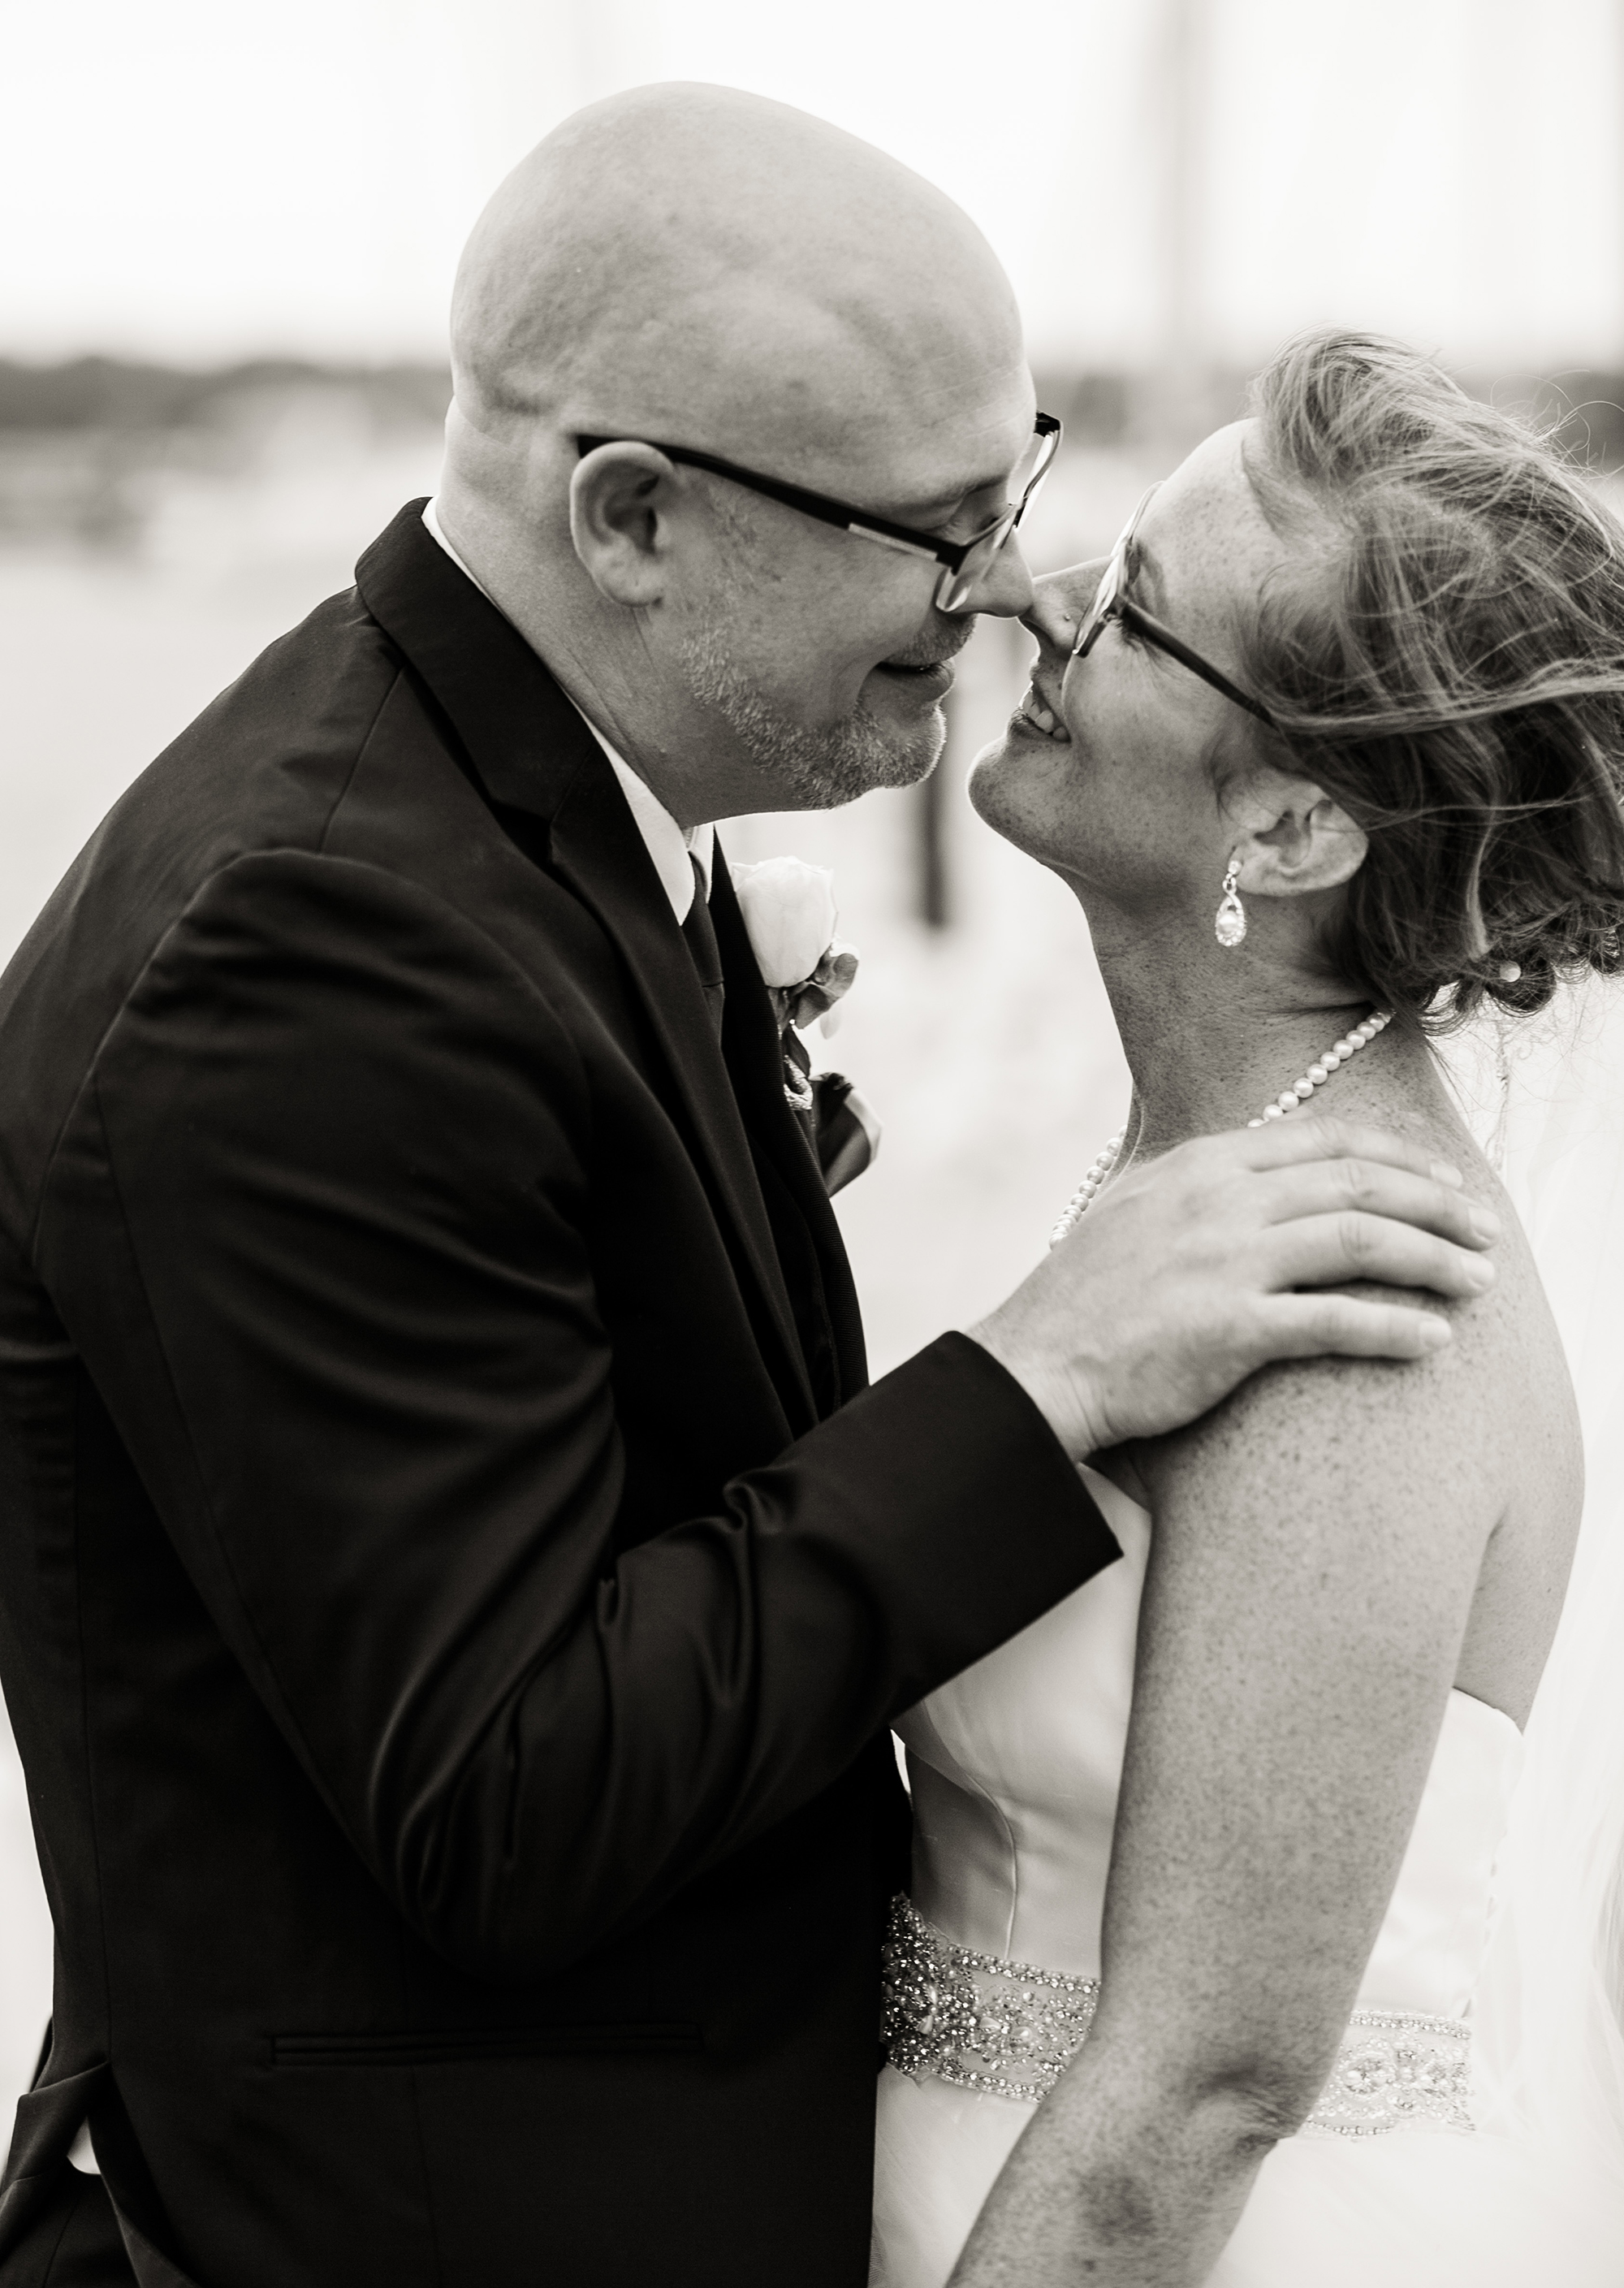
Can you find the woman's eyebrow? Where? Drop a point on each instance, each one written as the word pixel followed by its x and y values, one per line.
pixel 1143 571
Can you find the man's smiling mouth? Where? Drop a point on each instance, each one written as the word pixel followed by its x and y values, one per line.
pixel 930 679
pixel 938 665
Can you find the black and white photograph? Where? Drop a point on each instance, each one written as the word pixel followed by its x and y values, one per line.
pixel 812 1145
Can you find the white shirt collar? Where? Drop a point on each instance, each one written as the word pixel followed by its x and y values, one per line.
pixel 671 849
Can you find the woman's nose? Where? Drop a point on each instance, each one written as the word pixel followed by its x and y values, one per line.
pixel 1058 601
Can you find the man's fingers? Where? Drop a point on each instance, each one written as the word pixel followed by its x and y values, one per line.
pixel 1316 1326
pixel 1284 1143
pixel 1371 1188
pixel 1332 1251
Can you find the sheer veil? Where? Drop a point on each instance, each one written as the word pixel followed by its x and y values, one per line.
pixel 1544 1099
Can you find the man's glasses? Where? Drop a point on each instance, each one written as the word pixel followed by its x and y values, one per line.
pixel 1112 601
pixel 965 562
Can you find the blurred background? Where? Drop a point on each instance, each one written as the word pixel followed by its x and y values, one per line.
pixel 223 284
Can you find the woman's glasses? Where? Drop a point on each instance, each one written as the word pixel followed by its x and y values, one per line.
pixel 965 562
pixel 1112 601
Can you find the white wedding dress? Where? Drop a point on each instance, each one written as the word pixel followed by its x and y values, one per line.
pixel 1471 2135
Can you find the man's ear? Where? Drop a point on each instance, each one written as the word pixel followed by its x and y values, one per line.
pixel 1292 839
pixel 620 501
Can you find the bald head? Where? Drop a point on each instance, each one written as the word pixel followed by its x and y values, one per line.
pixel 697 264
pixel 693 268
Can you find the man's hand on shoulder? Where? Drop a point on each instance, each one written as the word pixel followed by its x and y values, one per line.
pixel 1188 1275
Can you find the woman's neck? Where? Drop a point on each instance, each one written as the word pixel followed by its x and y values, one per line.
pixel 1210 1047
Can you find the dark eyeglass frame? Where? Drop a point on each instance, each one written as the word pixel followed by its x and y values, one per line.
pixel 958 574
pixel 1112 602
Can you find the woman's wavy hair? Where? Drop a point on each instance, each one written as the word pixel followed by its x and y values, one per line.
pixel 1449 664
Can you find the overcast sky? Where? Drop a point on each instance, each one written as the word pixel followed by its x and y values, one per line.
pixel 200 178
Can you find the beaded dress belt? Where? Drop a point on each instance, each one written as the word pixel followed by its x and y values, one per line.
pixel 1009 2028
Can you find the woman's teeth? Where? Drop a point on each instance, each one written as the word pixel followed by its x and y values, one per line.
pixel 1033 712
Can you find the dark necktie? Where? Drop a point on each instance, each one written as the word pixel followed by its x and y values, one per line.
pixel 700 931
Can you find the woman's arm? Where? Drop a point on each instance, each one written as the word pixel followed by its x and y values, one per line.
pixel 1317 1544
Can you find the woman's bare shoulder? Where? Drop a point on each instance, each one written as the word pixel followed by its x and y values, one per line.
pixel 1502 1373
pixel 1481 1437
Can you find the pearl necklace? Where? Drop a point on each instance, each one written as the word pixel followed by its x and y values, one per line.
pixel 1287 1100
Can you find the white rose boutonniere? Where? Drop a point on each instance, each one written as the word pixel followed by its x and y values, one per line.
pixel 790 912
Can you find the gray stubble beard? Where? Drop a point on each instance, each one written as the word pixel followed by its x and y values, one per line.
pixel 824 769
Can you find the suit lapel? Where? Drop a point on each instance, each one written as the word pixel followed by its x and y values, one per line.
pixel 531 751
pixel 598 852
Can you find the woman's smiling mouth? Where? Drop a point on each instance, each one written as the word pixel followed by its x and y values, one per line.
pixel 1033 715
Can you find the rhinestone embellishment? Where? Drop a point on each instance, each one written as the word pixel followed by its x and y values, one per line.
pixel 1396 2070
pixel 976 2020
pixel 1011 2028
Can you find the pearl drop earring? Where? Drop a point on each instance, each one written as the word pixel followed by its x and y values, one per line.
pixel 1230 925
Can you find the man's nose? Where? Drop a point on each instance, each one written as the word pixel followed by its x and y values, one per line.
pixel 1005 587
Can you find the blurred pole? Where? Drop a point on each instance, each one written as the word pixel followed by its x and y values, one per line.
pixel 932 888
pixel 1183 116
pixel 1179 398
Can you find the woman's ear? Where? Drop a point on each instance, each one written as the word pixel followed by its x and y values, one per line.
pixel 1292 839
pixel 620 501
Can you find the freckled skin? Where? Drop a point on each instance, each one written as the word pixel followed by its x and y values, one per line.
pixel 1335 1547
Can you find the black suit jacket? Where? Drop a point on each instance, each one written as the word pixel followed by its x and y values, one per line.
pixel 453 1582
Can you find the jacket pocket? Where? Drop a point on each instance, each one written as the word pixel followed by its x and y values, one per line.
pixel 471 2045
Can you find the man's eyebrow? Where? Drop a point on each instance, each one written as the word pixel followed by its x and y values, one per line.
pixel 942 510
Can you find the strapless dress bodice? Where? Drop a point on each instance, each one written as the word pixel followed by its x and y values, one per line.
pixel 1015 1768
